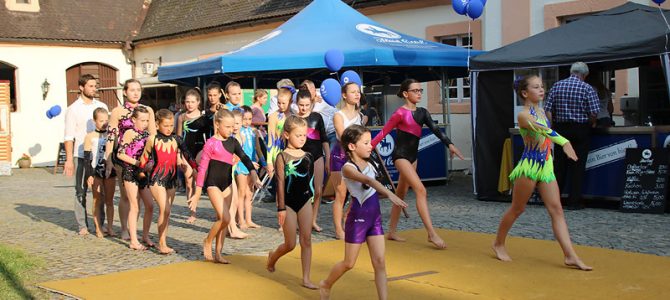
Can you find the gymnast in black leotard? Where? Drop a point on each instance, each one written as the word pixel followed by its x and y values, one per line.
pixel 409 119
pixel 215 175
pixel 294 190
pixel 316 144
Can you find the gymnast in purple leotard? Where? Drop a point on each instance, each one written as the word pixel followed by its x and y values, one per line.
pixel 408 120
pixel 364 221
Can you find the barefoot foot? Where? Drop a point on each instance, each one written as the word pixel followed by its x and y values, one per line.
pixel 207 250
pixel 220 260
pixel 437 241
pixel 268 266
pixel 308 284
pixel 238 234
pixel 577 263
pixel 324 292
pixel 392 236
pixel 125 235
pixel 253 225
pixel 149 243
pixel 99 234
pixel 83 232
pixel 110 233
pixel 191 219
pixel 316 227
pixel 137 246
pixel 501 252
pixel 165 250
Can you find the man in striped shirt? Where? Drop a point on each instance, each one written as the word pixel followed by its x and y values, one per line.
pixel 572 105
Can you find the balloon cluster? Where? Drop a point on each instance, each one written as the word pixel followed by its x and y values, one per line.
pixel 53 111
pixel 659 2
pixel 470 8
pixel 331 89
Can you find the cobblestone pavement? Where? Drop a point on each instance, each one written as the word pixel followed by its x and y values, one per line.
pixel 36 213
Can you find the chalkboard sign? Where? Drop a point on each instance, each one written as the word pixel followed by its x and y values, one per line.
pixel 646 180
pixel 60 159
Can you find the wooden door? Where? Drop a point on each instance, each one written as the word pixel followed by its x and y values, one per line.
pixel 5 130
pixel 106 76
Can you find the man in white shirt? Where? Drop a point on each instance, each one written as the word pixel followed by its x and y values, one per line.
pixel 78 123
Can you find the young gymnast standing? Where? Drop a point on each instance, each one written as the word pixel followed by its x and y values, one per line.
pixel 276 125
pixel 163 154
pixel 349 115
pixel 119 122
pixel 408 120
pixel 294 192
pixel 214 175
pixel 194 129
pixel 134 179
pixel 316 144
pixel 536 169
pixel 364 221
pixel 233 230
pixel 101 184
pixel 245 180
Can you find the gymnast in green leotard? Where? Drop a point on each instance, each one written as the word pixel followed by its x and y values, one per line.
pixel 535 169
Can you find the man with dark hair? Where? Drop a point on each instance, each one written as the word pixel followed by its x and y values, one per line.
pixel 78 123
pixel 572 106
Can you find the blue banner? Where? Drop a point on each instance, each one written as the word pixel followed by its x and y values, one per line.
pixel 431 161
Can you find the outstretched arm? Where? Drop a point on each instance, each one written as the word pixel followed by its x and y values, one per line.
pixel 428 121
pixel 352 173
pixel 390 125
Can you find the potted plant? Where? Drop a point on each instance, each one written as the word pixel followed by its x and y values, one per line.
pixel 24 161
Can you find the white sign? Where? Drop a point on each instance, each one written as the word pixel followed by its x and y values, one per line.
pixel 428 141
pixel 386 146
pixel 609 154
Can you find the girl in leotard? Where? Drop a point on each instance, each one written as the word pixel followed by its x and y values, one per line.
pixel 276 125
pixel 194 129
pixel 294 192
pixel 101 185
pixel 163 154
pixel 245 180
pixel 364 221
pixel 214 175
pixel 233 230
pixel 349 115
pixel 119 122
pixel 316 145
pixel 135 180
pixel 408 120
pixel 536 169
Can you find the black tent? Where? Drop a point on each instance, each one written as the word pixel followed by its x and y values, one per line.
pixel 626 36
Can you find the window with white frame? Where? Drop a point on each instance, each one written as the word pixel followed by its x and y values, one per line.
pixel 459 88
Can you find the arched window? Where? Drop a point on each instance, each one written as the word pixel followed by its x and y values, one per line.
pixel 8 73
pixel 106 76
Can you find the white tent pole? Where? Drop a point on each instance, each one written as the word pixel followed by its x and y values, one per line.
pixel 446 113
pixel 666 71
pixel 473 118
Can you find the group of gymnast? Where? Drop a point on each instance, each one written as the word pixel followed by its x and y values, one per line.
pixel 218 152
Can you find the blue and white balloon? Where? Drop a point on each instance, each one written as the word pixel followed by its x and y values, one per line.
pixel 350 76
pixel 460 6
pixel 331 91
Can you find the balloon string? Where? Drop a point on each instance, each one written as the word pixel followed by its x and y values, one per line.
pixel 667 25
pixel 469 41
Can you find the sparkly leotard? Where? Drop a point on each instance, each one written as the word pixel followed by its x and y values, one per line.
pixel 133 149
pixel 338 157
pixel 125 123
pixel 249 147
pixel 275 142
pixel 536 160
pixel 365 217
pixel 295 180
pixel 195 132
pixel 216 164
pixel 164 155
pixel 316 135
pixel 408 124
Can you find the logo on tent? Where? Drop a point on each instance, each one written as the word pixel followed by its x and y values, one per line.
pixel 377 31
pixel 386 146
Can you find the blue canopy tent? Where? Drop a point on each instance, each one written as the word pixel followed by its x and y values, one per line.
pixel 296 50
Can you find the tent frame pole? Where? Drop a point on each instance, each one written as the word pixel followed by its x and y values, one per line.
pixel 446 113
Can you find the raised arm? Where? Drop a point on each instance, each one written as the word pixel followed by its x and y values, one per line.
pixel 349 171
pixel 388 127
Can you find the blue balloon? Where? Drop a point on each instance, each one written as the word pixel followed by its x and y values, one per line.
pixel 331 91
pixel 475 9
pixel 484 2
pixel 659 2
pixel 55 110
pixel 334 59
pixel 49 114
pixel 350 76
pixel 460 6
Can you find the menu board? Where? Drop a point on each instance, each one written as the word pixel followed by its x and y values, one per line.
pixel 60 159
pixel 646 181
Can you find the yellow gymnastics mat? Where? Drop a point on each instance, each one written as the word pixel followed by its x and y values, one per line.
pixel 466 270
